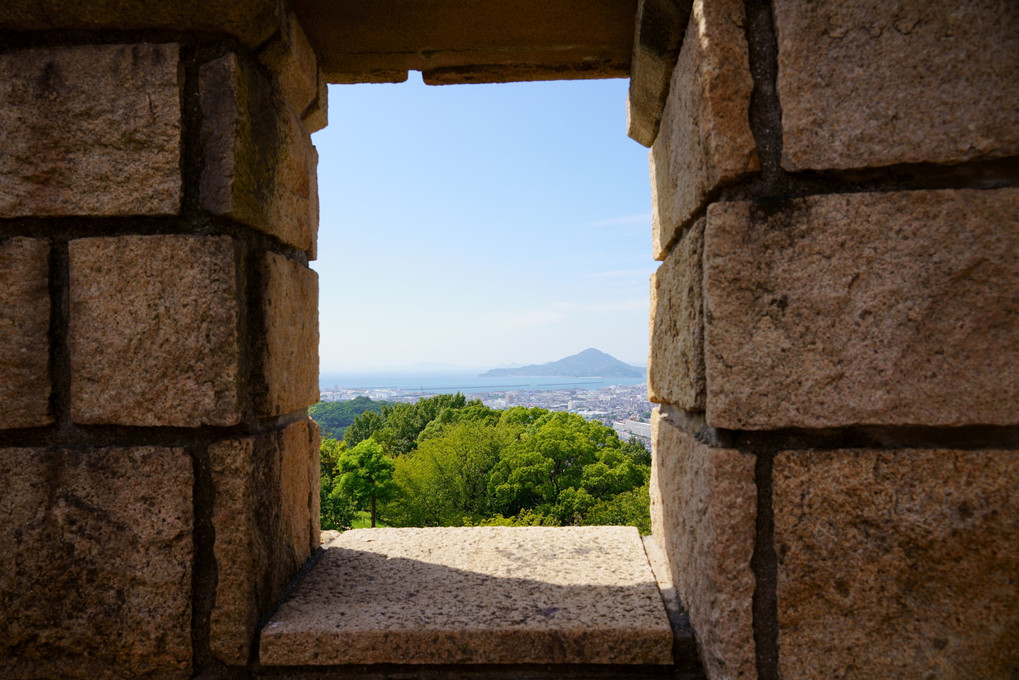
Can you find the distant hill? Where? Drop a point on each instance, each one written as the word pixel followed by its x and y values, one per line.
pixel 589 363
pixel 333 417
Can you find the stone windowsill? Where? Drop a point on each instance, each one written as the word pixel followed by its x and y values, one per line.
pixel 474 595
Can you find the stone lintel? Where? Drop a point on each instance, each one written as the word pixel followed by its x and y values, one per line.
pixel 502 40
pixel 658 35
pixel 475 595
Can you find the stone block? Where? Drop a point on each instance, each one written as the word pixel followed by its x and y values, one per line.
pixel 293 62
pixel 90 130
pixel 483 40
pixel 870 84
pixel 676 358
pixel 153 331
pixel 260 164
pixel 897 564
pixel 658 34
pixel 250 21
pixel 24 333
pixel 703 516
pixel 474 595
pixel 317 117
pixel 704 139
pixel 314 485
pixel 265 527
pixel 863 309
pixel 290 350
pixel 96 576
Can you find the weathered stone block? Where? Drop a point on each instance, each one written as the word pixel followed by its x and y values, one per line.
pixel 290 352
pixel 676 359
pixel 658 33
pixel 703 515
pixel 863 309
pixel 293 61
pixel 90 130
pixel 24 333
pixel 314 485
pixel 897 564
pixel 153 331
pixel 474 595
pixel 260 164
pixel 266 526
pixel 317 117
pixel 704 139
pixel 478 41
pixel 870 84
pixel 96 576
pixel 250 21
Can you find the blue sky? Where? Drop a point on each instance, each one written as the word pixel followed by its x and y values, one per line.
pixel 480 225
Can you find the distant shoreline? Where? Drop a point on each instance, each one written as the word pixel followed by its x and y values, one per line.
pixel 464 382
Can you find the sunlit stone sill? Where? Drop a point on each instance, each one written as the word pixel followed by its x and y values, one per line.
pixel 474 595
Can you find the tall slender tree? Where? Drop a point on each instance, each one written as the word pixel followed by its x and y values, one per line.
pixel 366 476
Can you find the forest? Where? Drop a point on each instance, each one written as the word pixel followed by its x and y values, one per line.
pixel 447 461
pixel 334 417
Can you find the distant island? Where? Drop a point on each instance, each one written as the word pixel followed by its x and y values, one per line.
pixel 588 364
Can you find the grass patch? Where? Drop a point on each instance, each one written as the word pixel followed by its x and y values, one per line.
pixel 363 520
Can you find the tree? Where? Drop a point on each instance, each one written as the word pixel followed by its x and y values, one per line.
pixel 629 508
pixel 637 452
pixel 335 416
pixel 365 475
pixel 337 509
pixel 444 482
pixel 548 458
pixel 363 427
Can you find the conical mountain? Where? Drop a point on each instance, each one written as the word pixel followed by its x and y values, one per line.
pixel 588 364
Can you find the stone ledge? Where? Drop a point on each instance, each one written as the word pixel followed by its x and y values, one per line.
pixel 475 595
pixel 469 40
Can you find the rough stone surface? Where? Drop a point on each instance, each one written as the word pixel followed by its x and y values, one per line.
pixel 676 357
pixel 703 515
pixel 897 564
pixel 314 486
pixel 293 61
pixel 657 37
pixel 290 352
pixel 24 333
pixel 317 116
pixel 96 575
pixel 704 139
pixel 90 130
pixel 475 595
pixel 153 331
pixel 266 524
pixel 250 21
pixel 869 84
pixel 488 41
pixel 856 309
pixel 260 164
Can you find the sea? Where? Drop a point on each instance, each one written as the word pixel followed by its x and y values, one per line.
pixel 463 382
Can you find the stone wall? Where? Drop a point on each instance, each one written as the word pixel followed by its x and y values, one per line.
pixel 835 338
pixel 158 333
pixel 834 332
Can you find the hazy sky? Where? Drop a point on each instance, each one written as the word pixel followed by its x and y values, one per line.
pixel 479 225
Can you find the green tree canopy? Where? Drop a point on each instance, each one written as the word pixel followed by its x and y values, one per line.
pixel 446 461
pixel 444 482
pixel 335 416
pixel 365 476
pixel 363 427
pixel 337 511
